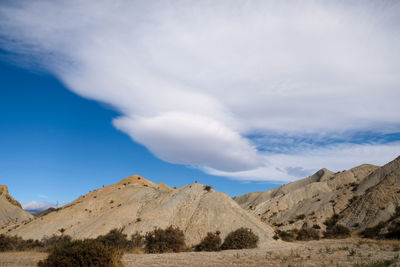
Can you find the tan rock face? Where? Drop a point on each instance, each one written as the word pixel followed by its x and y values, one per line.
pixel 137 204
pixel 376 198
pixel 4 191
pixel 308 201
pixel 10 209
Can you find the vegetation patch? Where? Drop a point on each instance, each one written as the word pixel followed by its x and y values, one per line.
pixel 82 253
pixel 304 234
pixel 208 188
pixel 337 231
pixel 385 230
pixel 114 239
pixel 170 239
pixel 212 242
pixel 241 238
pixel 15 243
pixel 288 236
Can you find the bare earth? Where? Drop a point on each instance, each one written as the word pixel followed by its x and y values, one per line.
pixel 345 252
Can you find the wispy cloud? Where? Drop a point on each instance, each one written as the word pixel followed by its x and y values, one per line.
pixel 194 80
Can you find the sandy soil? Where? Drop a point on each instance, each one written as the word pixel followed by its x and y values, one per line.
pixel 346 252
pixel 14 259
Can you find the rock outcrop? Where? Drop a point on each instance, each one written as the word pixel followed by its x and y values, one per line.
pixel 10 210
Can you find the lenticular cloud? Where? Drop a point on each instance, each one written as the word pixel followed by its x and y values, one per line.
pixel 195 80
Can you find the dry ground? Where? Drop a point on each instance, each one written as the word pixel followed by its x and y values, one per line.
pixel 345 252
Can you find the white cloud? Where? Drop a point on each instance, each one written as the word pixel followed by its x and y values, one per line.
pixel 38 205
pixel 334 157
pixel 192 139
pixel 193 78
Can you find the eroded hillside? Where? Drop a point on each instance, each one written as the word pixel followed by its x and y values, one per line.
pixel 137 204
pixel 361 196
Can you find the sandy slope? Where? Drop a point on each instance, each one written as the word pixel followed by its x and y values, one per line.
pixel 140 205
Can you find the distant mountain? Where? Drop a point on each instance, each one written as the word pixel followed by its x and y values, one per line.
pixel 37 206
pixel 10 210
pixel 362 197
pixel 137 204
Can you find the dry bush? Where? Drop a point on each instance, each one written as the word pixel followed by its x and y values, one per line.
pixel 373 232
pixel 334 230
pixel 82 253
pixel 306 234
pixel 240 239
pixel 114 239
pixel 48 243
pixel 332 221
pixel 300 217
pixel 288 236
pixel 137 240
pixel 337 231
pixel 212 242
pixel 15 243
pixel 165 240
pixel 393 231
pixel 208 188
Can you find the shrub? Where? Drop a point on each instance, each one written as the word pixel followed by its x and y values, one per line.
pixel 208 188
pixel 165 240
pixel 306 234
pixel 332 221
pixel 337 231
pixel 240 239
pixel 393 231
pixel 137 240
pixel 82 253
pixel 300 217
pixel 373 232
pixel 114 239
pixel 7 243
pixel 288 236
pixel 212 242
pixel 48 243
pixel 15 243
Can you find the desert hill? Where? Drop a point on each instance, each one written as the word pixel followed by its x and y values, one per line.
pixel 312 200
pixel 10 209
pixel 137 204
pixel 376 198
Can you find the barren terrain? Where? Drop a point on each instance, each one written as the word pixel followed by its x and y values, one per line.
pixel 342 252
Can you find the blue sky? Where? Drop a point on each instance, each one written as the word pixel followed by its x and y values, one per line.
pixel 56 146
pixel 241 95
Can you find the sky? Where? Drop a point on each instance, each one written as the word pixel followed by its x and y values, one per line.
pixel 242 95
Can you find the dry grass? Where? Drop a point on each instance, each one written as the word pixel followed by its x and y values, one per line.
pixel 342 252
pixel 21 259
